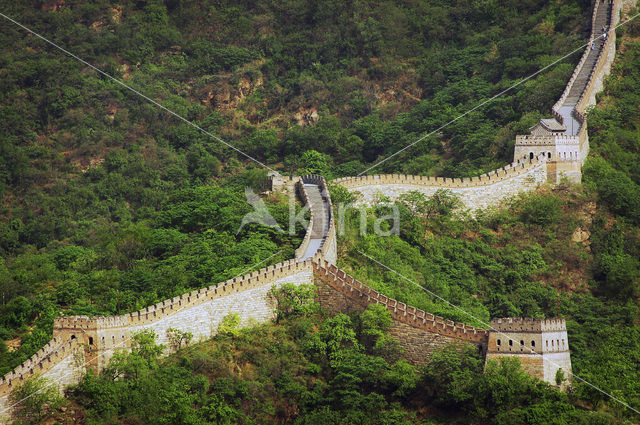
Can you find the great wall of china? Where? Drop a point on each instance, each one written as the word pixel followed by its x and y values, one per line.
pixel 555 148
pixel 81 342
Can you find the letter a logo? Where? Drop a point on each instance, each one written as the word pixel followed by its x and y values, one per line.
pixel 260 214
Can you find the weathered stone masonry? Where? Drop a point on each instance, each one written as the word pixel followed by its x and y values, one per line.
pixel 83 342
pixel 199 312
pixel 476 192
pixel 555 148
pixel 418 332
pixel 541 345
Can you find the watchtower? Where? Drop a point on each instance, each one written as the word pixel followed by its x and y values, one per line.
pixel 565 152
pixel 541 345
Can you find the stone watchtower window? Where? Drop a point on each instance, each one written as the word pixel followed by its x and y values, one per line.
pixel 90 340
pixel 533 343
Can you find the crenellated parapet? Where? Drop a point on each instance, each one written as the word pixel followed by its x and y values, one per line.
pixel 532 140
pixel 541 345
pixel 81 342
pixel 527 324
pixel 515 169
pixel 476 192
pixel 41 362
pixel 567 157
pixel 196 297
pixel 565 94
pixel 280 183
pixel 363 295
pixel 60 362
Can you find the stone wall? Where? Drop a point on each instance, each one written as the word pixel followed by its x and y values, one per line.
pixel 603 65
pixel 199 312
pixel 307 236
pixel 322 225
pixel 563 155
pixel 571 166
pixel 59 362
pixel 81 342
pixel 583 59
pixel 419 333
pixel 280 183
pixel 476 192
pixel 541 345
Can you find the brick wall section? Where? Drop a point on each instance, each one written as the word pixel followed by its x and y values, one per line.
pixel 564 159
pixel 542 345
pixel 57 361
pixel 420 333
pixel 418 345
pixel 594 33
pixel 198 312
pixel 477 192
pixel 307 236
pixel 81 342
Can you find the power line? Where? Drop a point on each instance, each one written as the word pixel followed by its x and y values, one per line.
pixel 492 98
pixel 531 350
pixel 148 99
pixel 50 383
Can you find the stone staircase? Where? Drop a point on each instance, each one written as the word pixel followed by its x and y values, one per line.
pixel 320 207
pixel 580 83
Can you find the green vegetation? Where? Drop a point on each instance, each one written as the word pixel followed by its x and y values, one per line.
pixel 519 261
pixel 315 369
pixel 36 401
pixel 108 205
pixel 523 260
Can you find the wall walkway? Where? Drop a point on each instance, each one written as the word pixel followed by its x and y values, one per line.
pixel 550 157
pixel 81 342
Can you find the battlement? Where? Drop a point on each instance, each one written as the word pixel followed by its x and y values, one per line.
pixel 75 323
pixel 280 182
pixel 550 140
pixel 578 95
pixel 196 297
pixel 512 170
pixel 300 251
pixel 358 291
pixel 526 324
pixel 313 179
pixel 603 64
pixel 47 357
pixel 547 334
pixel 578 68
